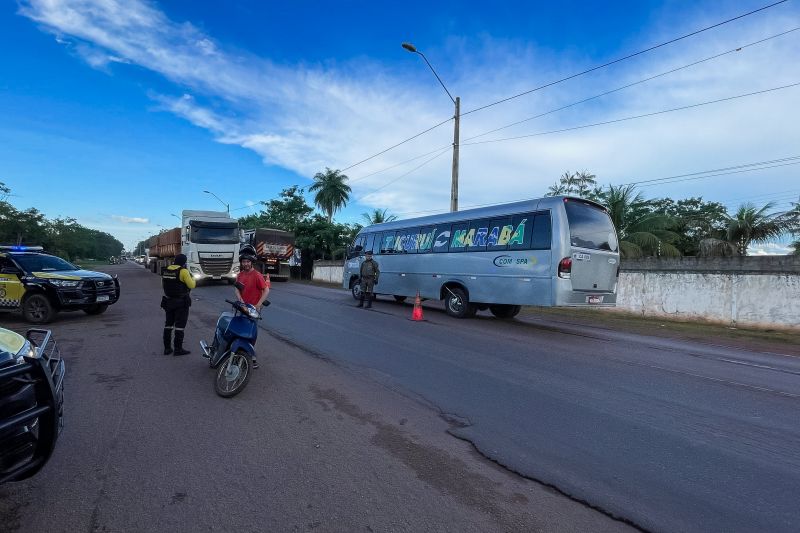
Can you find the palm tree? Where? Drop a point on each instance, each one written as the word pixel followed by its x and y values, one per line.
pixel 751 224
pixel 556 189
pixel 332 191
pixel 641 231
pixel 584 182
pixel 377 217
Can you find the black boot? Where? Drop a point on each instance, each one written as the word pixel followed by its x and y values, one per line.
pixel 361 301
pixel 167 341
pixel 179 343
pixel 369 300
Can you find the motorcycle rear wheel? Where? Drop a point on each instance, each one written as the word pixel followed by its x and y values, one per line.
pixel 233 374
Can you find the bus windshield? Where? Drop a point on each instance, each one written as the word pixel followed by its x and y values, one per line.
pixel 590 227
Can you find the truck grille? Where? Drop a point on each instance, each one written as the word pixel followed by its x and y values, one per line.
pixel 216 267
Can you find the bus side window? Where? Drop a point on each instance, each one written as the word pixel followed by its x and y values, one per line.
pixel 521 234
pixel 500 230
pixel 388 243
pixel 458 233
pixel 368 242
pixel 425 239
pixel 376 245
pixel 542 232
pixel 441 239
pixel 477 235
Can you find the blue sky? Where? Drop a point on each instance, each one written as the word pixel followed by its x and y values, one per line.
pixel 120 112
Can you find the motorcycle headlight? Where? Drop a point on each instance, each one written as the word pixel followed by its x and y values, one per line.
pixel 65 282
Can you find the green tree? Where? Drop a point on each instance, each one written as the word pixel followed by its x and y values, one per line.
pixel 693 221
pixel 642 231
pixel 377 216
pixel 285 212
pixel 581 184
pixel 753 225
pixel 332 191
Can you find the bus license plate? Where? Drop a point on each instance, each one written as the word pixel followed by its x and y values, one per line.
pixel 102 298
pixel 594 299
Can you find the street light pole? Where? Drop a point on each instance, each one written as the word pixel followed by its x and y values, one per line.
pixel 227 206
pixel 457 118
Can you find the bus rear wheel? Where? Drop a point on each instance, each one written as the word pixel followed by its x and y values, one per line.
pixel 457 304
pixel 505 311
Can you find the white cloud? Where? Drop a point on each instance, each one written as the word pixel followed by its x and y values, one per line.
pixel 131 220
pixel 305 118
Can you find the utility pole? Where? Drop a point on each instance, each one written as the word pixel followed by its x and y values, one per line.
pixel 457 118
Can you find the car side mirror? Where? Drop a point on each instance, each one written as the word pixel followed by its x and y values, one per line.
pixel 239 285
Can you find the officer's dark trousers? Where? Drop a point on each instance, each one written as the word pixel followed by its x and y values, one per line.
pixel 177 314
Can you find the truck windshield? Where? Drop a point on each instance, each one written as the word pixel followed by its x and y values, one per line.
pixel 215 233
pixel 590 227
pixel 43 263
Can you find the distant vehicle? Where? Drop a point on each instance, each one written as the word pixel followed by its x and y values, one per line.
pixel 274 248
pixel 210 241
pixel 31 402
pixel 40 285
pixel 555 251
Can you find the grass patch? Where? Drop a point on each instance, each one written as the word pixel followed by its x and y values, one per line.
pixel 696 329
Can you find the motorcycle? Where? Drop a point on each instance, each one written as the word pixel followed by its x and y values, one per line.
pixel 232 349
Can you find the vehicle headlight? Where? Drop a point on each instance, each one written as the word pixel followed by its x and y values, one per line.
pixel 65 282
pixel 236 269
pixel 194 270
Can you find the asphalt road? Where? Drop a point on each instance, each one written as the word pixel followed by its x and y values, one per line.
pixel 668 435
pixel 326 437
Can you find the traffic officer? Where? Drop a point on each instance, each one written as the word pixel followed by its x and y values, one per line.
pixel 369 278
pixel 177 283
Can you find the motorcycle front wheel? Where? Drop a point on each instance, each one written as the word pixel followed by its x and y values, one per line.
pixel 233 374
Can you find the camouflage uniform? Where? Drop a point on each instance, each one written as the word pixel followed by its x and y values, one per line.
pixel 369 278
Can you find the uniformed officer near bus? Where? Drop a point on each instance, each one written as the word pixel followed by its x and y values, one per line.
pixel 177 283
pixel 369 278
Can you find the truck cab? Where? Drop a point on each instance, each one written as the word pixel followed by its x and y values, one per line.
pixel 210 241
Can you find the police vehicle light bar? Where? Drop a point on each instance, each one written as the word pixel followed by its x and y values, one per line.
pixel 21 248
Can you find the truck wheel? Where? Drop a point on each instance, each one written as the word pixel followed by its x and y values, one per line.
pixel 505 311
pixel 37 309
pixel 98 309
pixel 457 304
pixel 399 299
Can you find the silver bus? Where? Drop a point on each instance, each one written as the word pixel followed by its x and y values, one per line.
pixel 554 251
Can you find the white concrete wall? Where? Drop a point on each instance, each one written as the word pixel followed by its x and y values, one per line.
pixel 328 271
pixel 765 300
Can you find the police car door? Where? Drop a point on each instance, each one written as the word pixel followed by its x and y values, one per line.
pixel 10 286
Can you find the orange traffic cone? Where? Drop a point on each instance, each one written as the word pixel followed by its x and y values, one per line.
pixel 417 313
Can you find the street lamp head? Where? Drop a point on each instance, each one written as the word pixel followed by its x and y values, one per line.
pixel 410 47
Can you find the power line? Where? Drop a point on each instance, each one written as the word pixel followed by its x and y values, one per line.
pixel 731 51
pixel 751 169
pixel 622 58
pixel 400 143
pixel 682 108
pixel 404 175
pixel 562 80
pixel 576 103
pixel 735 167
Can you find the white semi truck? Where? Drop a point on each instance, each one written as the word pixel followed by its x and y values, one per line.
pixel 208 239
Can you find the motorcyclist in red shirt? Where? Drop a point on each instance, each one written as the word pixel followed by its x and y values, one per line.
pixel 255 287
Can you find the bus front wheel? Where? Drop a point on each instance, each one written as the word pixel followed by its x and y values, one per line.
pixel 505 311
pixel 457 304
pixel 355 288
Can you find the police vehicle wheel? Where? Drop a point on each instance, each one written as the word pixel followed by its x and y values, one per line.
pixel 458 305
pixel 505 311
pixel 96 309
pixel 37 309
pixel 399 299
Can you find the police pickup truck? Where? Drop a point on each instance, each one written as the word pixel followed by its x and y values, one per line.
pixel 40 285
